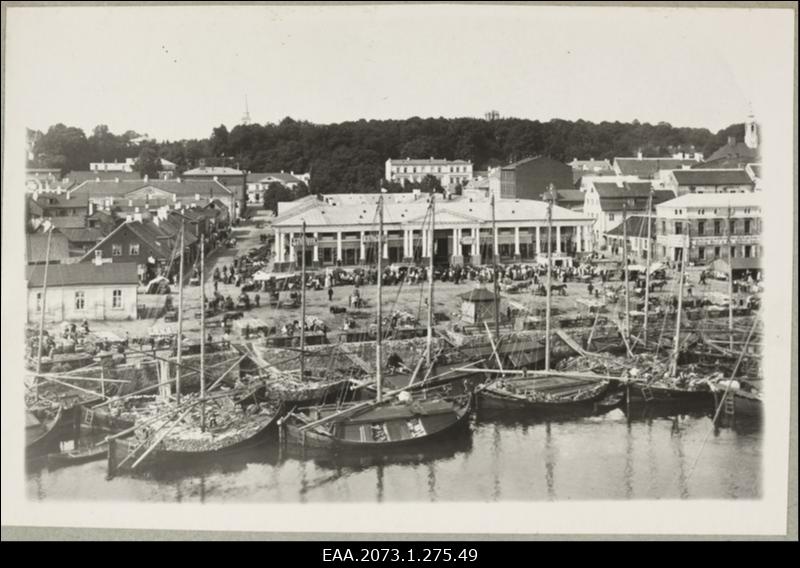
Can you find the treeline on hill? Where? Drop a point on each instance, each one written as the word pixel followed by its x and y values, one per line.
pixel 350 156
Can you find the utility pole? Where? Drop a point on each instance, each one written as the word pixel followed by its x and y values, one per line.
pixel 647 267
pixel 379 322
pixel 494 277
pixel 549 277
pixel 430 279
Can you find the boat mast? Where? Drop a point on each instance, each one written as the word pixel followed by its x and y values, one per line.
pixel 730 278
pixel 677 344
pixel 303 304
pixel 625 271
pixel 494 277
pixel 647 266
pixel 379 337
pixel 549 277
pixel 41 317
pixel 430 280
pixel 202 334
pixel 180 319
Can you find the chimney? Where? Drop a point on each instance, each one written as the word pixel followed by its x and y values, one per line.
pixel 731 140
pixel 216 178
pixel 91 208
pixel 180 180
pixel 128 218
pixel 130 203
pixel 97 178
pixel 639 155
pixel 137 217
pixel 174 197
pixel 136 210
pixel 146 178
pixel 116 180
pixel 197 197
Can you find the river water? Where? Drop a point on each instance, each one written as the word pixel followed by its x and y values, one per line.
pixel 633 453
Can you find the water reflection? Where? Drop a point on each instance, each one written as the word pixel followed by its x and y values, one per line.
pixel 640 451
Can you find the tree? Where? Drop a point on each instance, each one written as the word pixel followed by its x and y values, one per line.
pixel 219 141
pixel 431 184
pixel 148 162
pixel 274 193
pixel 63 147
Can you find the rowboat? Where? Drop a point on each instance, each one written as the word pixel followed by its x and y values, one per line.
pixel 43 428
pixel 541 394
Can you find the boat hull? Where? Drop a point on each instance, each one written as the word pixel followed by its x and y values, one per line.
pixel 437 427
pixel 493 398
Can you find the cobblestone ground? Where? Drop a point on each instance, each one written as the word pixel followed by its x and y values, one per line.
pixel 408 298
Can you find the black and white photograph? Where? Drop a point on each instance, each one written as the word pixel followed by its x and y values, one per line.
pixel 387 268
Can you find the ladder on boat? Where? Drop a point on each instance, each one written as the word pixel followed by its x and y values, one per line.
pixel 647 393
pixel 730 405
pixel 357 360
pixel 87 416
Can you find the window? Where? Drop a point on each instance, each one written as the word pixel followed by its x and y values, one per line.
pixel 701 227
pixel 733 252
pixel 80 300
pixel 116 250
pixel 716 252
pixel 116 299
pixel 663 227
pixel 38 301
pixel 716 227
pixel 133 249
pixel 701 252
pixel 678 228
pixel 747 226
pixel 692 189
pixel 610 216
pixel 747 251
pixel 732 227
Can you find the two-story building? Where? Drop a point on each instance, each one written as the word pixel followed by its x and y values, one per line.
pixel 648 168
pixel 529 178
pixel 712 225
pixel 448 172
pixel 257 183
pixel 606 201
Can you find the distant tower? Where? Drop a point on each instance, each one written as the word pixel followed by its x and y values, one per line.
pixel 751 132
pixel 246 117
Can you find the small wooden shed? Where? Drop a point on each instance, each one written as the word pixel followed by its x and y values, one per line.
pixel 477 306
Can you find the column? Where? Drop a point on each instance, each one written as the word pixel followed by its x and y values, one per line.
pixel 494 241
pixel 386 244
pixel 538 241
pixel 339 245
pixel 558 239
pixel 579 232
pixel 278 246
pixel 292 257
pixel 406 243
pixel 316 247
pixel 362 253
pixel 517 253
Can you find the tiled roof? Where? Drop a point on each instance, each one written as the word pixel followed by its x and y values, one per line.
pixel 68 222
pixel 85 273
pixel 636 227
pixel 647 167
pixel 280 176
pixel 514 165
pixel 590 165
pixel 36 247
pixel 634 202
pixel 67 200
pixel 712 177
pixel 82 235
pixel 628 189
pixel 747 199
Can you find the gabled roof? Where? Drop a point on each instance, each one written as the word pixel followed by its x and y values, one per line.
pixel 68 222
pixel 647 167
pixel 36 247
pixel 610 190
pixel 88 274
pixel 65 200
pixel 518 163
pixel 590 165
pixel 634 203
pixel 712 177
pixel 281 177
pixel 636 226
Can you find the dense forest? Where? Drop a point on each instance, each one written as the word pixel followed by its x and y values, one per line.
pixel 350 156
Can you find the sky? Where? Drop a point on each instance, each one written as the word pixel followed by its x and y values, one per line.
pixel 176 72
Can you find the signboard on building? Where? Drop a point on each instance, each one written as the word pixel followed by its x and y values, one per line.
pixel 467 240
pixel 310 242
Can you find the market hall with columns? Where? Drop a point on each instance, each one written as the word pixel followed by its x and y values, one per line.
pixel 340 230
